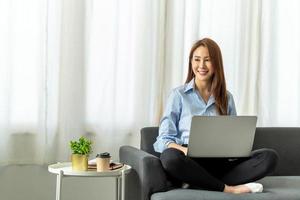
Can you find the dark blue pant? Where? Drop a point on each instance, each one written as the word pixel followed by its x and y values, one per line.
pixel 214 173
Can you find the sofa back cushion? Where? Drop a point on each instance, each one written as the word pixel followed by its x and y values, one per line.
pixel 286 141
pixel 148 137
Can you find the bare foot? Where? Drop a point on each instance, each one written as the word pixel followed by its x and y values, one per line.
pixel 238 189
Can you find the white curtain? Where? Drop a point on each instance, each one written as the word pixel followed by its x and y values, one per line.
pixel 73 68
pixel 260 44
pixel 104 69
pixel 22 80
pixel 124 68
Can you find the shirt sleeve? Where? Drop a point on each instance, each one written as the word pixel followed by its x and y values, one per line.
pixel 231 105
pixel 168 129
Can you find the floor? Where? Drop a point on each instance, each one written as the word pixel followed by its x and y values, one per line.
pixel 34 182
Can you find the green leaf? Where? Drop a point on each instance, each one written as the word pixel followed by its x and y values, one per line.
pixel 82 146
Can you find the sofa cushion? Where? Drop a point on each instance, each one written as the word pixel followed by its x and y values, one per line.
pixel 148 137
pixel 275 188
pixel 286 142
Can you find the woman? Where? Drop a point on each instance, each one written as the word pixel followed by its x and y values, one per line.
pixel 204 93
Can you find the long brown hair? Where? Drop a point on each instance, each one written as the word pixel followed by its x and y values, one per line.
pixel 218 85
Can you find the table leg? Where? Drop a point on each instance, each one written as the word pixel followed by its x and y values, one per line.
pixel 58 184
pixel 123 186
pixel 117 188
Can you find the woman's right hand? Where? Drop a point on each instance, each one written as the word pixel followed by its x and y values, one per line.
pixel 179 147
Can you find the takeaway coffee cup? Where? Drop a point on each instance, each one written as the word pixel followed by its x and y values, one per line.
pixel 103 161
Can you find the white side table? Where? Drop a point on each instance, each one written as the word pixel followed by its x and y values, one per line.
pixel 65 170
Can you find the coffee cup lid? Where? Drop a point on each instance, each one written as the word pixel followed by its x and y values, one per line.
pixel 103 155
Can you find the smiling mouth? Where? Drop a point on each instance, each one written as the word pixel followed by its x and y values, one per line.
pixel 204 72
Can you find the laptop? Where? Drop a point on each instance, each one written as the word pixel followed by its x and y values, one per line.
pixel 221 136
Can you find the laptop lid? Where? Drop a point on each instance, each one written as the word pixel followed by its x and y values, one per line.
pixel 221 136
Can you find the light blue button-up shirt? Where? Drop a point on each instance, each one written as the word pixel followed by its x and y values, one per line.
pixel 183 103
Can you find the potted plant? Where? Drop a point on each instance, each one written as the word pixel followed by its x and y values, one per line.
pixel 80 153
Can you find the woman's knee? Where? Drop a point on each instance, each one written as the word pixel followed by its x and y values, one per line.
pixel 171 158
pixel 268 157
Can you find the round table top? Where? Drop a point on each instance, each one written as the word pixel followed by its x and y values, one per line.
pixel 66 168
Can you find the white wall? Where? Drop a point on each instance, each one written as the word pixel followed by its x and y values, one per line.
pixel 33 182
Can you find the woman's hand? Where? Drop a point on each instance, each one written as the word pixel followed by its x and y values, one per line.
pixel 184 150
pixel 179 147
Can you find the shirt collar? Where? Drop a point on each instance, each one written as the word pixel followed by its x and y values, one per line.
pixel 211 100
pixel 190 86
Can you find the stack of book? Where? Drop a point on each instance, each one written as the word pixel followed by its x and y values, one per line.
pixel 92 165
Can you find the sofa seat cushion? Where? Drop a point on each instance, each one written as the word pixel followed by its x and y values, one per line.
pixel 275 188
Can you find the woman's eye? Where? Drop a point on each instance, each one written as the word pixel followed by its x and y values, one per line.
pixel 197 60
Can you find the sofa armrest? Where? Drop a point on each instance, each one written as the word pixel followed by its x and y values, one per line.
pixel 147 175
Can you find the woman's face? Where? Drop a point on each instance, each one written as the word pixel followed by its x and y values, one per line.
pixel 202 65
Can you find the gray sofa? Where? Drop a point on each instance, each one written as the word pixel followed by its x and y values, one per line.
pixel 148 180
